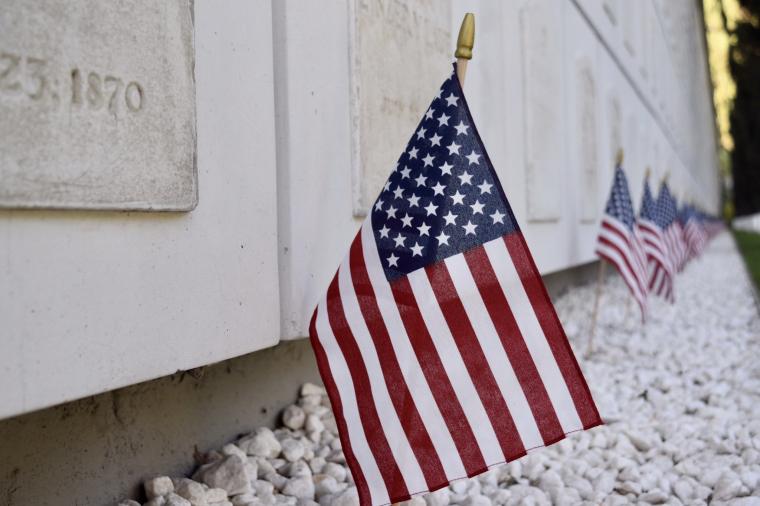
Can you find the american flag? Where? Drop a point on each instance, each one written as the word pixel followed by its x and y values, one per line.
pixel 694 232
pixel 438 345
pixel 651 222
pixel 619 242
pixel 666 204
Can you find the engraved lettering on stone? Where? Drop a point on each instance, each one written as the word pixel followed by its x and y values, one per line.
pixel 97 105
pixel 611 10
pixel 541 46
pixel 630 18
pixel 30 77
pixel 390 92
pixel 587 147
pixel 616 141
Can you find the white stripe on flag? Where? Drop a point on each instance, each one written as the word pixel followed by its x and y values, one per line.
pixel 413 375
pixel 394 432
pixel 533 335
pixel 456 370
pixel 345 386
pixel 494 351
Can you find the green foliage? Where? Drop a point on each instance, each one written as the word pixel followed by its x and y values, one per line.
pixel 744 61
pixel 749 245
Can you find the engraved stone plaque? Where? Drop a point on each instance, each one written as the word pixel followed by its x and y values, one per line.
pixel 587 147
pixel 97 105
pixel 542 62
pixel 396 48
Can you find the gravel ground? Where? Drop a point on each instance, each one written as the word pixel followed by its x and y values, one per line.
pixel 680 397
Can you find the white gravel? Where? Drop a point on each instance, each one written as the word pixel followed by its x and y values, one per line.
pixel 680 397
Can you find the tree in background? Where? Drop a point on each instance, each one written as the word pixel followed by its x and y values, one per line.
pixel 744 62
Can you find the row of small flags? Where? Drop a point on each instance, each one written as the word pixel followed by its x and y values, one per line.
pixel 650 248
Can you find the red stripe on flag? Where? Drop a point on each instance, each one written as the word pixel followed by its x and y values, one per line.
pixel 373 429
pixel 437 378
pixel 337 407
pixel 514 344
pixel 555 334
pixel 402 399
pixel 475 361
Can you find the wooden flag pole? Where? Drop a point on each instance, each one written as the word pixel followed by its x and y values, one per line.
pixel 600 279
pixel 599 283
pixel 465 42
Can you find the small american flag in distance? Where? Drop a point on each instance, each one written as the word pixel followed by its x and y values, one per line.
pixel 619 242
pixel 650 224
pixel 438 345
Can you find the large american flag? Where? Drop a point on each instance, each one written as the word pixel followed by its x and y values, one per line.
pixel 619 242
pixel 439 347
pixel 651 222
pixel 666 204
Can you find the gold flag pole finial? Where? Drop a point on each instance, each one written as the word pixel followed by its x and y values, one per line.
pixel 619 157
pixel 647 172
pixel 665 177
pixel 465 42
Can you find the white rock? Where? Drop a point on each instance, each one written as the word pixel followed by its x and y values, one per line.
pixel 317 464
pixel 683 490
pixel 349 497
pixel 277 480
pixel 261 443
pixel 312 389
pixel 128 502
pixel 157 501
pixel 192 491
pixel 214 495
pixel 727 487
pixel 233 449
pixel 158 486
pixel 228 474
pixel 440 497
pixel 604 483
pixel 314 425
pixel 293 417
pixel 325 484
pixel 477 500
pixel 173 499
pixel 243 500
pixel 301 487
pixel 292 449
pixel 582 485
pixel 655 496
pixel 262 488
pixel 336 471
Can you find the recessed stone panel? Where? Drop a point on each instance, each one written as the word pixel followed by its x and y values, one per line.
pixel 97 105
pixel 400 54
pixel 542 66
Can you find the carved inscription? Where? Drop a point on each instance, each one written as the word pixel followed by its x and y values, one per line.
pixel 616 141
pixel 97 105
pixel 390 93
pixel 30 77
pixel 586 102
pixel 541 37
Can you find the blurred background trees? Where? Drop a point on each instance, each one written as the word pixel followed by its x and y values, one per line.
pixel 744 62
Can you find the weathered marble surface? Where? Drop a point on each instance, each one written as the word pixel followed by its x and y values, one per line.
pixel 97 105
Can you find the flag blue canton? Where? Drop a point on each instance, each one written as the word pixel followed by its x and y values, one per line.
pixel 648 210
pixel 619 204
pixel 665 208
pixel 443 197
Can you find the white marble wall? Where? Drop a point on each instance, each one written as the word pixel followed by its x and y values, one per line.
pixel 299 119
